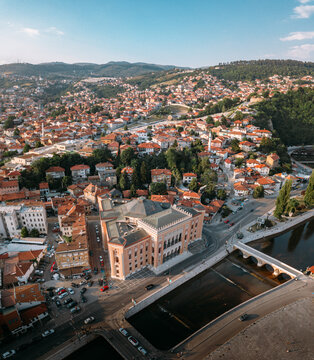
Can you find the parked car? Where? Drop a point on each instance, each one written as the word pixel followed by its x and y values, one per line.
pixel 95 270
pixel 75 285
pixel 83 299
pixel 98 239
pixel 100 282
pixel 39 272
pixel 123 332
pixel 67 301
pixel 89 320
pixel 75 309
pixel 104 288
pixel 83 290
pixel 71 291
pixel 142 350
pixel 90 283
pixel 63 295
pixel 72 304
pixel 47 333
pixel 61 291
pixel 58 303
pixel 231 224
pixel 149 286
pixel 226 221
pixel 133 341
pixel 8 354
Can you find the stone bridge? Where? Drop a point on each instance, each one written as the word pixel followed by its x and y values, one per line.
pixel 275 266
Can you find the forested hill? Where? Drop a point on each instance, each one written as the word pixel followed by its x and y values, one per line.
pixel 292 115
pixel 55 69
pixel 261 69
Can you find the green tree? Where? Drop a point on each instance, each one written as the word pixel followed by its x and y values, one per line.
pixel 24 232
pixel 258 192
pixel 9 123
pixel 292 206
pixel 158 188
pixel 221 194
pixel 38 144
pixel 193 186
pixel 124 182
pixel 133 191
pixel 66 181
pixel 238 116
pixel 238 162
pixel 34 233
pixel 135 180
pixel 125 128
pixel 309 193
pixel 16 132
pixel 283 199
pixel 235 145
pixel 127 155
pixel 208 177
pixel 143 173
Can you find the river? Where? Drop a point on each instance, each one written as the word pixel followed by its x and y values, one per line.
pixel 232 281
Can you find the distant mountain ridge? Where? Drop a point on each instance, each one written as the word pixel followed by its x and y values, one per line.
pixel 110 69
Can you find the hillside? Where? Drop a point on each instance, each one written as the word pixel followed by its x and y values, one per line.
pixel 292 115
pixel 260 69
pixel 59 69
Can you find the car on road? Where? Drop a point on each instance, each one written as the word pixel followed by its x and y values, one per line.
pixel 71 291
pixel 8 354
pixel 142 350
pixel 123 332
pixel 58 303
pixel 251 210
pixel 149 286
pixel 83 299
pixel 133 341
pixel 98 239
pixel 226 221
pixel 89 320
pixel 95 270
pixel 47 333
pixel 75 309
pixel 243 317
pixel 231 224
pixel 90 283
pixel 104 288
pixel 83 282
pixel 75 285
pixel 83 290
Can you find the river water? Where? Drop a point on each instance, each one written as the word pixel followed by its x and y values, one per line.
pixel 232 281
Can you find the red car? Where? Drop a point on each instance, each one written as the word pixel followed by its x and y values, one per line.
pixel 104 288
pixel 231 224
pixel 226 221
pixel 61 291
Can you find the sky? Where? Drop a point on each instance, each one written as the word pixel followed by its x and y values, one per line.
pixel 191 33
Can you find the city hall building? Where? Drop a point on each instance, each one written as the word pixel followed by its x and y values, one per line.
pixel 144 233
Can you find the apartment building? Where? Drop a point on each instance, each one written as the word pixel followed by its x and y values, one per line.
pixel 72 256
pixel 161 175
pixel 144 233
pixel 14 217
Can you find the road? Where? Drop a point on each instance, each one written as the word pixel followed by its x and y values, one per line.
pixel 199 345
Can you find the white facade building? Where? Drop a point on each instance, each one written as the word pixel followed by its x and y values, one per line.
pixel 14 218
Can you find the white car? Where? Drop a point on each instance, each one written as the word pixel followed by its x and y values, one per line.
pixel 98 239
pixel 47 333
pixel 123 332
pixel 63 295
pixel 89 320
pixel 71 291
pixel 8 354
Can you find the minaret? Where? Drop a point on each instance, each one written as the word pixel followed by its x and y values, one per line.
pixel 209 141
pixel 42 130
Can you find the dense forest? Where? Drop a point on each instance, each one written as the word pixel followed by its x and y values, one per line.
pixel 57 69
pixel 292 116
pixel 261 69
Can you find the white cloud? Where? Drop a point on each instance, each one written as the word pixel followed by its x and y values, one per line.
pixel 299 35
pixel 301 51
pixel 303 11
pixel 30 32
pixel 304 1
pixel 54 30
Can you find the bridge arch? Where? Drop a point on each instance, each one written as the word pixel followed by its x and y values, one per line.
pixel 269 268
